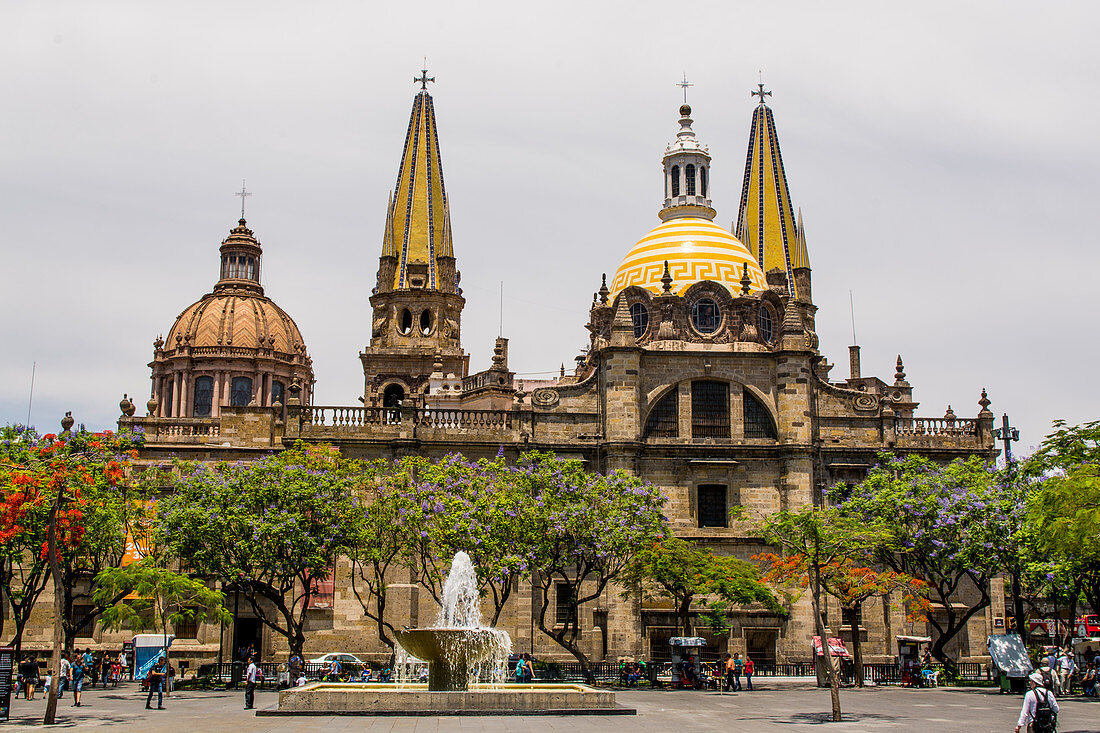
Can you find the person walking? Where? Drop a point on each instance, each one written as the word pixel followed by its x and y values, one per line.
pixel 1040 708
pixel 750 670
pixel 1066 668
pixel 89 665
pixel 251 677
pixel 77 671
pixel 28 670
pixel 729 672
pixel 156 683
pixel 738 667
pixel 64 678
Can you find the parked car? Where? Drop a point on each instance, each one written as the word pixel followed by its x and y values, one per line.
pixel 342 657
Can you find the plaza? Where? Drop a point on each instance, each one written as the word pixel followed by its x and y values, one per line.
pixel 778 705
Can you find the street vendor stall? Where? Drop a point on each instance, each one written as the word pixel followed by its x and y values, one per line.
pixel 909 658
pixel 839 653
pixel 685 659
pixel 1010 661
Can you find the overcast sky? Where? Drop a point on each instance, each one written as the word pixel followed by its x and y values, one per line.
pixel 944 155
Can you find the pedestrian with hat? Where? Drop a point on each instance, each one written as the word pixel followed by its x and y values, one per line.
pixel 1039 713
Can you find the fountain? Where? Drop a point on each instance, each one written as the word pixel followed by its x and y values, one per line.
pixel 460 652
pixel 458 648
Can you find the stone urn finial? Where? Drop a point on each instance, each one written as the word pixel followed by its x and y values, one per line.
pixel 67 422
pixel 127 406
pixel 295 390
pixel 152 405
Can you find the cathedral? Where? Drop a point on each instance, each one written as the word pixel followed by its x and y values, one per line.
pixel 702 376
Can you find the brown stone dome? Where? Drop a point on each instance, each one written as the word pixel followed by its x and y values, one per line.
pixel 240 319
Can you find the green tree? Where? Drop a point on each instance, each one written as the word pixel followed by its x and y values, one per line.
pixel 583 530
pixel 815 539
pixel 271 529
pixel 951 526
pixel 1063 512
pixel 680 571
pixel 155 598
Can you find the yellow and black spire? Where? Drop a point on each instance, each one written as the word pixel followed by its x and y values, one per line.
pixel 766 221
pixel 417 240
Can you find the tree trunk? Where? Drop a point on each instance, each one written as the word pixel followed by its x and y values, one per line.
pixel 58 607
pixel 857 643
pixel 830 668
pixel 1018 605
pixel 683 615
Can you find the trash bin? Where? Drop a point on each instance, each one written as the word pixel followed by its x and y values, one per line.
pixel 236 674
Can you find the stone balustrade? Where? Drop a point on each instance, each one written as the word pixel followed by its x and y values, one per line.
pixel 173 429
pixel 330 421
pixel 935 426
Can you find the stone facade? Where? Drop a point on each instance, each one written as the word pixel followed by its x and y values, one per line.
pixel 711 388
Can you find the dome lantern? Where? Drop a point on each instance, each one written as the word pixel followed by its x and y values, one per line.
pixel 687 174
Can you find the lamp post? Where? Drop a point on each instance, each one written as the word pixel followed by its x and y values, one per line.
pixel 1007 434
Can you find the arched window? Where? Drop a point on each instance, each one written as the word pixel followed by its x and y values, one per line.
pixel 406 324
pixel 758 421
pixel 710 409
pixel 664 418
pixel 675 181
pixel 703 181
pixel 705 315
pixel 278 393
pixel 241 393
pixel 392 397
pixel 425 322
pixel 639 316
pixel 204 397
pixel 171 383
pixel 765 323
pixel 689 179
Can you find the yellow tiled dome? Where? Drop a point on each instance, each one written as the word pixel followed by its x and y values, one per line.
pixel 696 250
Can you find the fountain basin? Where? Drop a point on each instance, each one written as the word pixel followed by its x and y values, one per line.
pixel 451 653
pixel 326 698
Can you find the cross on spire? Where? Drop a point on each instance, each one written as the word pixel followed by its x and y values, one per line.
pixel 423 79
pixel 759 92
pixel 685 84
pixel 242 193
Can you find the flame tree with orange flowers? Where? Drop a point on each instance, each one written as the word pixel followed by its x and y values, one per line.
pixel 64 500
pixel 851 583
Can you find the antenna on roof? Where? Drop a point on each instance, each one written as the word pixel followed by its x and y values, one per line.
pixel 500 326
pixel 30 399
pixel 852 307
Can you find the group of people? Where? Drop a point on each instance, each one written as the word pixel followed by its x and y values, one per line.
pixel 631 672
pixel 76 670
pixel 524 672
pixel 735 667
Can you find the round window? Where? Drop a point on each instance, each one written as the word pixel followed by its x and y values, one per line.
pixel 406 323
pixel 766 324
pixel 426 322
pixel 639 315
pixel 705 315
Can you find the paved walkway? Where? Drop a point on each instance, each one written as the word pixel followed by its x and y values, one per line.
pixel 770 708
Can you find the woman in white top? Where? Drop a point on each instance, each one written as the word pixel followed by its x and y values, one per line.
pixel 1031 703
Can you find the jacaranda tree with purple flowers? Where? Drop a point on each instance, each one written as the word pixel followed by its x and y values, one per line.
pixel 270 530
pixel 952 526
pixel 582 531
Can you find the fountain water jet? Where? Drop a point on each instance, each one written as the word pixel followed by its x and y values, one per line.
pixel 459 650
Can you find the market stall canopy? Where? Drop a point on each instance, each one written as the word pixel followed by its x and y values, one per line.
pixel 687 641
pixel 836 647
pixel 914 639
pixel 1009 655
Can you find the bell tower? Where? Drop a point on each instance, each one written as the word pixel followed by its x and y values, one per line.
pixel 416 303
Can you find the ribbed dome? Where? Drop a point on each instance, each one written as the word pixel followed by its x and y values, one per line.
pixel 696 250
pixel 238 319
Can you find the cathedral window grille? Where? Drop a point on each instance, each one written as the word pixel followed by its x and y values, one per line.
pixel 204 397
pixel 689 179
pixel 675 181
pixel 705 315
pixel 639 316
pixel 563 605
pixel 758 421
pixel 703 181
pixel 712 506
pixel 664 418
pixel 241 392
pixel 765 322
pixel 710 410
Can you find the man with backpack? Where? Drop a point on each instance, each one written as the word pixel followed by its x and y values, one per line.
pixel 1040 709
